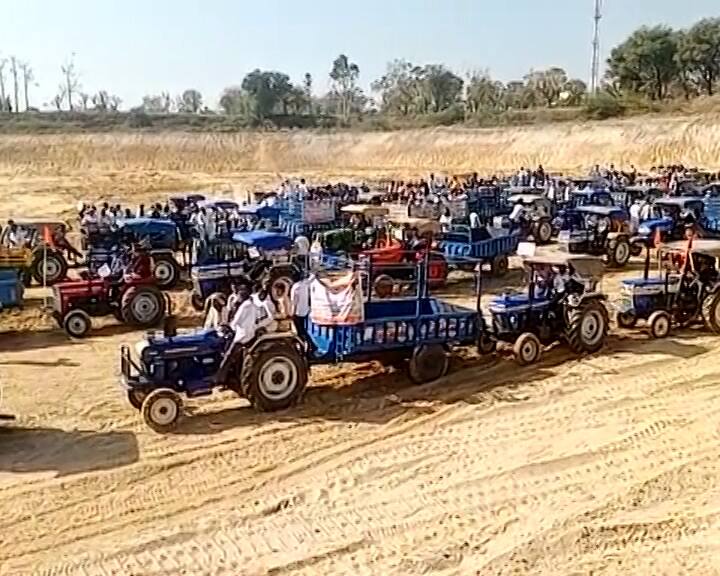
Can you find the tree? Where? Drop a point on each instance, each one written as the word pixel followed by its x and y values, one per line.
pixel 547 85
pixel 396 88
pixel 483 93
pixel 573 92
pixel 646 62
pixel 441 87
pixel 190 102
pixel 71 80
pixel 101 101
pixel 84 99
pixel 3 101
pixel 307 89
pixel 235 102
pixel 267 90
pixel 698 56
pixel 156 104
pixel 344 75
pixel 28 78
pixel 518 95
pixel 16 86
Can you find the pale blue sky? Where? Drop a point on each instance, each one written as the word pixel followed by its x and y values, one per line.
pixel 136 47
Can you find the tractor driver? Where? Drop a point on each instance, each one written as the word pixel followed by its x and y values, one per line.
pixel 243 324
pixel 140 262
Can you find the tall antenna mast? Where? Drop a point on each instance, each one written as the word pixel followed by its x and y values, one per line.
pixel 595 71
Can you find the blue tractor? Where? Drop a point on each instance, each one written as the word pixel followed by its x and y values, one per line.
pixel 162 235
pixel 686 289
pixel 562 303
pixel 246 258
pixel 671 216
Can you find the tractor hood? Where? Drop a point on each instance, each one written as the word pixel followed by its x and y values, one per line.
pixel 647 227
pixel 183 344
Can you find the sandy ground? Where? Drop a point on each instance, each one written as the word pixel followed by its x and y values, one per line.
pixel 608 464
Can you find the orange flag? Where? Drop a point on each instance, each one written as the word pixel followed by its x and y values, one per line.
pixel 47 235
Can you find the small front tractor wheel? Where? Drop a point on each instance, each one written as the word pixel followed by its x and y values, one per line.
pixel 619 253
pixel 486 345
pixel 711 312
pixel 166 271
pixel 274 377
pixel 143 306
pixel 543 231
pixel 527 349
pixel 77 323
pixel 659 324
pixel 162 409
pixel 626 319
pixel 136 398
pixel 428 363
pixel 48 266
pixel 587 327
pixel 499 265
pixel 383 286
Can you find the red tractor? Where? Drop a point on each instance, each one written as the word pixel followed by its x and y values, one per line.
pixel 133 300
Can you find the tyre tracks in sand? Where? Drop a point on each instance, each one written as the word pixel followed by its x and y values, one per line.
pixel 456 487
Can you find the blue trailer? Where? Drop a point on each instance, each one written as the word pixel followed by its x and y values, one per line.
pixel 466 247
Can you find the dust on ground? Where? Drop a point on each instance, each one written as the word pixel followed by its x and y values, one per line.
pixel 607 464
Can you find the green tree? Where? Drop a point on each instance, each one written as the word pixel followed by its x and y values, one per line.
pixel 267 90
pixel 344 75
pixel 397 88
pixel 547 85
pixel 646 62
pixel 483 93
pixel 234 101
pixel 190 102
pixel 573 92
pixel 698 56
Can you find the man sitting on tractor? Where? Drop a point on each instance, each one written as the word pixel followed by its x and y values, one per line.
pixel 243 325
pixel 140 262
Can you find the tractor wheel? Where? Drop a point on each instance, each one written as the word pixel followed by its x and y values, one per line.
pixel 274 377
pixel 587 327
pixel 527 349
pixel 619 253
pixel 166 271
pixel 485 344
pixel 197 302
pixel 280 281
pixel 52 263
pixel 711 312
pixel 162 409
pixel 136 398
pixel 636 249
pixel 383 286
pixel 143 306
pixel 542 231
pixel 499 266
pixel 659 324
pixel 428 363
pixel 77 323
pixel 626 319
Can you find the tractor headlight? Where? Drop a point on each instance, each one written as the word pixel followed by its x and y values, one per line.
pixel 644 230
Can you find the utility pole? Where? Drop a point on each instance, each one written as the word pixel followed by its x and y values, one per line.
pixel 595 70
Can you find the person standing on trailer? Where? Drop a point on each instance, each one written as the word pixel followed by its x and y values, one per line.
pixel 300 300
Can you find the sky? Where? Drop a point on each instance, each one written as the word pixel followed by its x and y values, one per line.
pixel 137 47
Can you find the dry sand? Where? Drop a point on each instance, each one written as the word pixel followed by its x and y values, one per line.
pixel 608 464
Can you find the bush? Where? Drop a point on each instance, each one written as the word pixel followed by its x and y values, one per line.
pixel 602 106
pixel 139 119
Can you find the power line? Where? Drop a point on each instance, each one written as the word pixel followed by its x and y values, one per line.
pixel 595 69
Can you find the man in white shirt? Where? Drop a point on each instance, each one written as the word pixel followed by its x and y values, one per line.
pixel 300 299
pixel 265 313
pixel 15 237
pixel 243 324
pixel 474 220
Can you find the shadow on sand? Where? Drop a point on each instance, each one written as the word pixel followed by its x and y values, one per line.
pixel 24 450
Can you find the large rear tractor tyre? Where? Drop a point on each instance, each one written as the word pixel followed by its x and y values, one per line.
pixel 711 312
pixel 527 349
pixel 543 231
pixel 659 324
pixel 50 267
pixel 161 410
pixel 143 306
pixel 485 344
pixel 77 323
pixel 619 253
pixel 587 327
pixel 428 363
pixel 166 272
pixel 274 377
